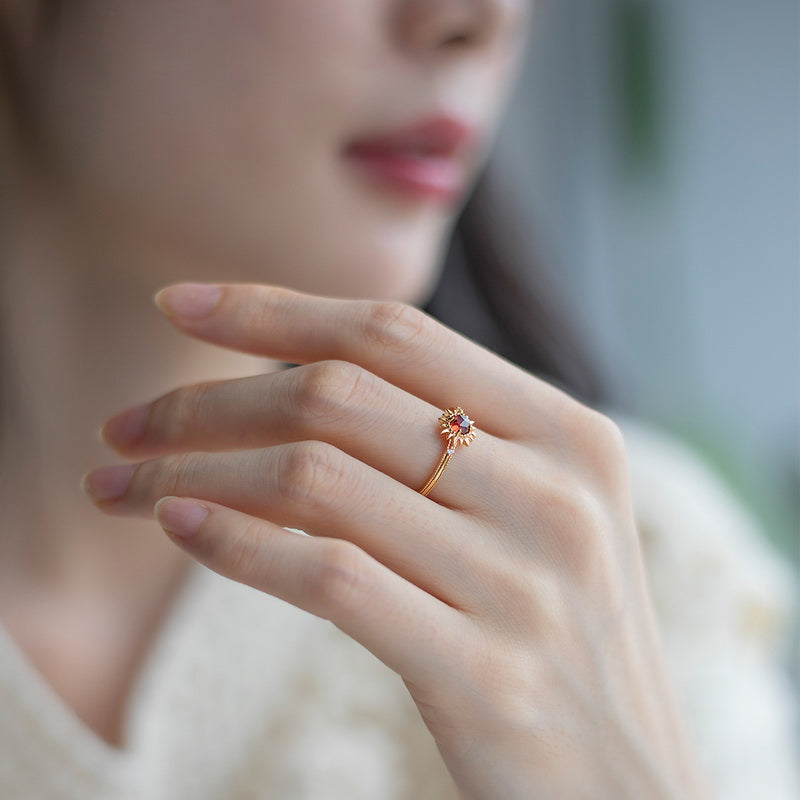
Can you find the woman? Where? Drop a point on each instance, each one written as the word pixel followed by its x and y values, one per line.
pixel 492 631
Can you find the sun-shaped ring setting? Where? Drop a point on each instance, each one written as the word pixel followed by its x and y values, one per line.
pixel 459 429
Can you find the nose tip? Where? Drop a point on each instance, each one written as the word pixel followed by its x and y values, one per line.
pixel 457 24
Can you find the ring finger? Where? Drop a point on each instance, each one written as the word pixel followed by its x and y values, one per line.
pixel 332 401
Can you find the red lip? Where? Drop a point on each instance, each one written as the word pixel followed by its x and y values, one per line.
pixel 425 160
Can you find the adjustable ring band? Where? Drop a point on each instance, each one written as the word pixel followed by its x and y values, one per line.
pixel 459 429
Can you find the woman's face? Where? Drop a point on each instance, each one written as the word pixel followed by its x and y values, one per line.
pixel 220 126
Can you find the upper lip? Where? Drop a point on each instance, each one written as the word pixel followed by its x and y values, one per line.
pixel 436 135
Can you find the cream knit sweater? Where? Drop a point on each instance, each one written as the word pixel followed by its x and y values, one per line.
pixel 245 697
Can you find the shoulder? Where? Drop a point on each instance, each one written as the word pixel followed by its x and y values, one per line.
pixel 302 709
pixel 724 600
pixel 699 540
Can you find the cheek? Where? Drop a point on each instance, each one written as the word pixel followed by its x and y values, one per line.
pixel 226 139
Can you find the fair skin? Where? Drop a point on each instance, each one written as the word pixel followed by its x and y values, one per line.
pixel 512 599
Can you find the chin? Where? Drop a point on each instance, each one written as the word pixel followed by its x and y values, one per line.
pixel 414 288
pixel 407 273
pixel 410 270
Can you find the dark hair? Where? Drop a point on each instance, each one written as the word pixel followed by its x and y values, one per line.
pixel 494 290
pixel 491 289
pixel 16 93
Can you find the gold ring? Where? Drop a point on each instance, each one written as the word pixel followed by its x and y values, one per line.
pixel 459 429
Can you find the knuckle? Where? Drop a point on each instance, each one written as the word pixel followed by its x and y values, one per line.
pixel 340 578
pixel 608 432
pixel 174 473
pixel 311 473
pixel 329 388
pixel 609 457
pixel 577 519
pixel 395 326
pixel 244 554
pixel 599 441
pixel 579 507
pixel 181 412
pixel 588 515
pixel 260 303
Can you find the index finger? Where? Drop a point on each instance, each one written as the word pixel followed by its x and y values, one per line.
pixel 396 341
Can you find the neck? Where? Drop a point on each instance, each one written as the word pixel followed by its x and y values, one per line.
pixel 80 339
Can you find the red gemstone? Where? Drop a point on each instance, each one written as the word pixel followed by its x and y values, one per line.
pixel 460 423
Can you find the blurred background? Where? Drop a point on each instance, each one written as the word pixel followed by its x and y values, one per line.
pixel 658 146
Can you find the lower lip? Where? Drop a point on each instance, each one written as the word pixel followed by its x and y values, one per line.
pixel 425 177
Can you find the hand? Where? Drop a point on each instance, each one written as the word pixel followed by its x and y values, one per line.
pixel 512 600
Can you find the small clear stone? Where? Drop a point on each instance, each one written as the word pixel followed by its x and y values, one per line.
pixel 460 423
pixel 450 450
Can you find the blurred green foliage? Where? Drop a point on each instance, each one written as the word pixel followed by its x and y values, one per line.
pixel 635 76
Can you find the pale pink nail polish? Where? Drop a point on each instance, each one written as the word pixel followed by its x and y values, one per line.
pixel 108 483
pixel 179 515
pixel 127 427
pixel 189 300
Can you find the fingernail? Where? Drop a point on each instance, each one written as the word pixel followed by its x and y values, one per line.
pixel 189 300
pixel 126 427
pixel 180 516
pixel 108 483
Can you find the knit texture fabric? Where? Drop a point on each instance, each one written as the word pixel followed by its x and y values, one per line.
pixel 246 697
